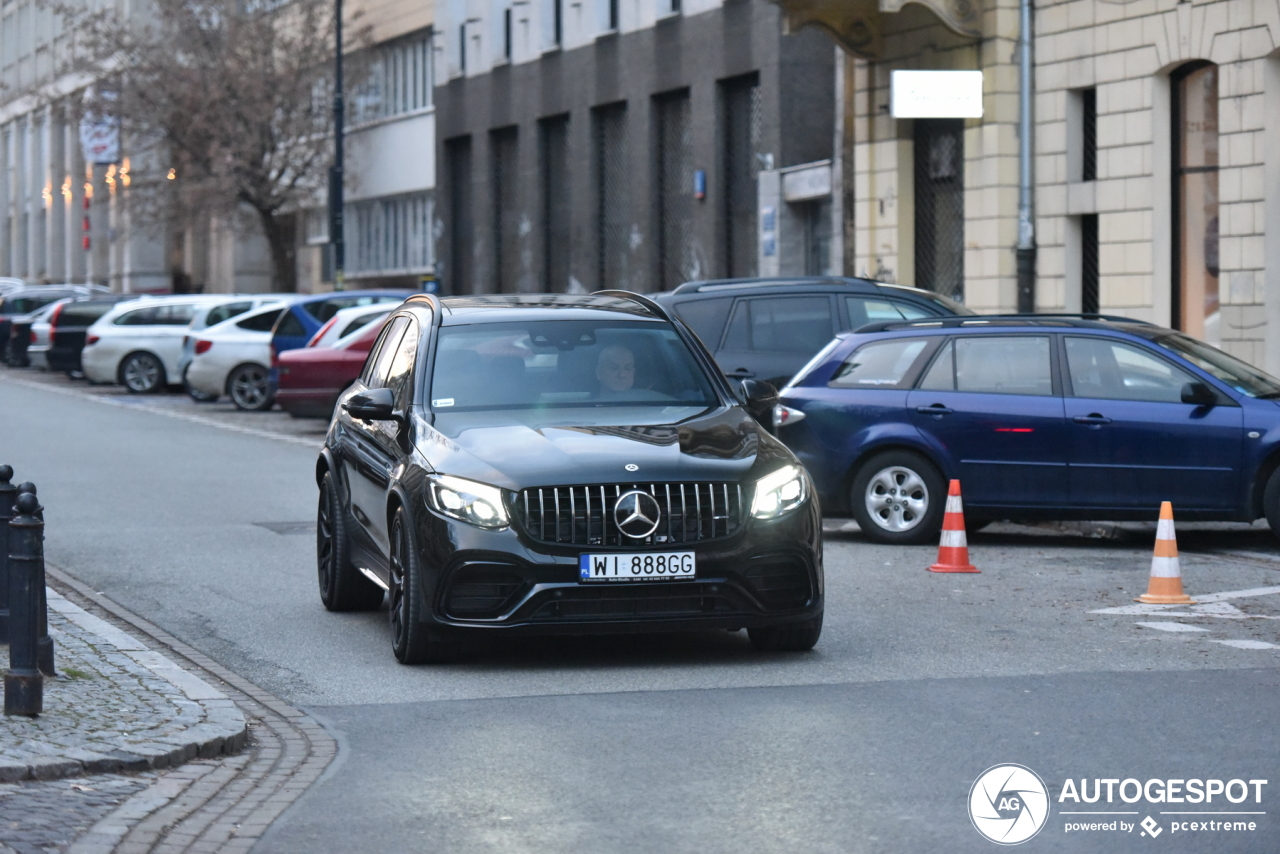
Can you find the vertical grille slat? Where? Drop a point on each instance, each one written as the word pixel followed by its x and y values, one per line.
pixel 694 512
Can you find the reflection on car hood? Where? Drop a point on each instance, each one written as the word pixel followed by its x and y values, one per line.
pixel 723 444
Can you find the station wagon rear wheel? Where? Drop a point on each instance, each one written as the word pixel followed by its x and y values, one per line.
pixel 141 373
pixel 249 388
pixel 898 498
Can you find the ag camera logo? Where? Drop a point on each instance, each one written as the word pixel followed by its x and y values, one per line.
pixel 1008 804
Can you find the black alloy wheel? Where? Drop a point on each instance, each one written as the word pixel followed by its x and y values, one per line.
pixel 141 373
pixel 898 498
pixel 1271 502
pixel 796 637
pixel 412 640
pixel 249 389
pixel 342 586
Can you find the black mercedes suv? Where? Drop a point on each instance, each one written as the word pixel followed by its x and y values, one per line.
pixel 547 463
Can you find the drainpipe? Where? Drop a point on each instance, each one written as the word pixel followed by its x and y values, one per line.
pixel 1026 194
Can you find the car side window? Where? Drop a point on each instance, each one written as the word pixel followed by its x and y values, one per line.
pixel 378 363
pixel 780 325
pixel 176 315
pixel 261 322
pixel 862 311
pixel 993 364
pixel 137 317
pixel 289 325
pixel 1114 370
pixel 219 313
pixel 706 318
pixel 402 364
pixel 880 364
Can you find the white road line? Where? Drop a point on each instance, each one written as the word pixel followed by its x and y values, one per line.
pixel 180 416
pixel 1247 644
pixel 1238 594
pixel 1172 627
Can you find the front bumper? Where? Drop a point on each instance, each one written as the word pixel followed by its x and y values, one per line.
pixel 769 573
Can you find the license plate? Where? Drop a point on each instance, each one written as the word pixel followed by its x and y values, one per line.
pixel 644 566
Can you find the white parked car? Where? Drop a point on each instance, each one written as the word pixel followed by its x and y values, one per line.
pixel 346 321
pixel 138 343
pixel 234 357
pixel 212 315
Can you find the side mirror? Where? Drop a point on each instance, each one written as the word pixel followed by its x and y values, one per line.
pixel 1198 394
pixel 760 398
pixel 377 404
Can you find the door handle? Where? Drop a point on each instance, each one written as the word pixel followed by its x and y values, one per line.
pixel 935 409
pixel 740 374
pixel 1093 419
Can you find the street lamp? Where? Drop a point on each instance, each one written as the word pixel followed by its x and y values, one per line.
pixel 335 171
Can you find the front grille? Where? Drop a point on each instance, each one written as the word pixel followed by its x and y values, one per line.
pixel 781 584
pixel 482 590
pixel 682 599
pixel 583 515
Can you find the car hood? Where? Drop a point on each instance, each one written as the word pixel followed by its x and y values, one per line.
pixel 722 445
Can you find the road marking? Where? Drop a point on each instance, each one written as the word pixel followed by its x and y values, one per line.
pixel 1238 594
pixel 1247 644
pixel 180 416
pixel 1172 627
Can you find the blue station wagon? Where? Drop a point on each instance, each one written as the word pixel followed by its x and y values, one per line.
pixel 1040 417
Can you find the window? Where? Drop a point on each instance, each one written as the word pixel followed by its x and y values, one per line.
pixel 939 198
pixel 1089 135
pixel 879 364
pixel 1090 273
pixel 863 311
pixel 378 363
pixel 359 323
pixel 706 318
pixel 391 236
pixel 399 80
pixel 783 325
pixel 219 313
pixel 261 322
pixel 1115 371
pixel 289 326
pixel 138 317
pixel 402 364
pixel 1195 201
pixel 1003 364
pixel 176 315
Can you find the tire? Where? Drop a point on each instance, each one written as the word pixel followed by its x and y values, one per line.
pixel 877 504
pixel 142 373
pixel 796 637
pixel 249 389
pixel 412 640
pixel 342 586
pixel 1271 502
pixel 196 395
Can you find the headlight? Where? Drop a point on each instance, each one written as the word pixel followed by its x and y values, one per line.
pixel 467 501
pixel 780 492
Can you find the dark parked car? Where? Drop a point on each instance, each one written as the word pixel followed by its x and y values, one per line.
pixel 767 329
pixel 1039 417
pixel 70 326
pixel 551 463
pixel 19 302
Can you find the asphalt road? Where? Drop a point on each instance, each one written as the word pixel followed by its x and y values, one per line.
pixel 201 520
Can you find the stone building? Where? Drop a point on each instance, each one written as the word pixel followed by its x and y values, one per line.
pixel 1154 183
pixel 621 143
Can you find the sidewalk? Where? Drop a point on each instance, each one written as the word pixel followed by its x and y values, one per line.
pixel 114 706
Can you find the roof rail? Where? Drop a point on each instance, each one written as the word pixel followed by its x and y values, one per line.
pixel 643 300
pixel 1046 319
pixel 746 282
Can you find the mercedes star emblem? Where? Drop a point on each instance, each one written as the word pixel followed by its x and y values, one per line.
pixel 631 467
pixel 637 514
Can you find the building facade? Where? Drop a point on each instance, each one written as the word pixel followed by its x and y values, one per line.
pixel 1155 188
pixel 621 143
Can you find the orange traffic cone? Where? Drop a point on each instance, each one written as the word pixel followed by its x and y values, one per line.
pixel 953 551
pixel 1165 585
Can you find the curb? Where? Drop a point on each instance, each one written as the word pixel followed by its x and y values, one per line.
pixel 221 728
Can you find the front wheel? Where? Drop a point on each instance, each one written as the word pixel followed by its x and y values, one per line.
pixel 1271 502
pixel 898 498
pixel 142 373
pixel 249 388
pixel 412 640
pixel 342 586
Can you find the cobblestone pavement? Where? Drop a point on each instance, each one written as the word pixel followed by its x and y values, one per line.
pixel 114 706
pixel 48 815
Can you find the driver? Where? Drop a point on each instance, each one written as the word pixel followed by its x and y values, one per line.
pixel 616 370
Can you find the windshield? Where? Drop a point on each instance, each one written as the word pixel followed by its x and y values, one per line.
pixel 558 364
pixel 1241 376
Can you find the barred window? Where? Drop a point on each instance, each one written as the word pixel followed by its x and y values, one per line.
pixel 390 236
pixel 399 81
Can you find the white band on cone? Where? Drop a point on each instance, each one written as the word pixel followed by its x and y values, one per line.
pixel 1164 530
pixel 954 505
pixel 953 539
pixel 1165 567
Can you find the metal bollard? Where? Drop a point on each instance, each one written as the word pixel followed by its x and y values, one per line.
pixel 8 493
pixel 44 643
pixel 23 682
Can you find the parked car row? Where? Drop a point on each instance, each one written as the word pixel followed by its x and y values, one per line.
pixel 211 344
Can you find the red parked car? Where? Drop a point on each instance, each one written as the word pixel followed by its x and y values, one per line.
pixel 312 377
